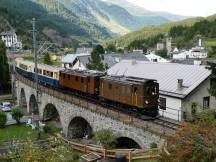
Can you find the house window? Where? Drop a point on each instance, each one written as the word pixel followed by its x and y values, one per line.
pixel 110 86
pixel 82 80
pixel 162 103
pixel 206 101
pixel 64 76
pixel 68 77
pixel 88 80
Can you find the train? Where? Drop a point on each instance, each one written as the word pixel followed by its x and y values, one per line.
pixel 128 93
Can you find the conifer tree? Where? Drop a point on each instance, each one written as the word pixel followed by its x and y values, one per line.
pixel 4 69
pixel 95 60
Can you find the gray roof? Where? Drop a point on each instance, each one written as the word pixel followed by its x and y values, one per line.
pixel 70 58
pixel 166 74
pixel 8 33
pixel 84 50
pixel 112 59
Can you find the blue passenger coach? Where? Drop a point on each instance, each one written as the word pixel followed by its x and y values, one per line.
pixel 47 75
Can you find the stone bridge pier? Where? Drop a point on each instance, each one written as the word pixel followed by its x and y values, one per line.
pixel 77 121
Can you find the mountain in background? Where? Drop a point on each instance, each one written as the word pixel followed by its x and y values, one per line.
pixel 59 26
pixel 71 22
pixel 141 12
pixel 150 31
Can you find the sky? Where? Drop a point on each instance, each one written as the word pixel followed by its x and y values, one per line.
pixel 182 7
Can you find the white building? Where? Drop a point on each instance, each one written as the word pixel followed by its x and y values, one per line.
pixel 75 61
pixel 196 52
pixel 155 58
pixel 160 45
pixel 11 40
pixel 180 85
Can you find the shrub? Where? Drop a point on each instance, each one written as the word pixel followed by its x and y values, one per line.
pixel 106 138
pixel 3 119
pixel 153 145
pixel 17 114
pixel 47 129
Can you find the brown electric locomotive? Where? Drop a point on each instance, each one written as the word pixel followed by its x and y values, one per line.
pixel 126 92
pixel 83 81
pixel 138 93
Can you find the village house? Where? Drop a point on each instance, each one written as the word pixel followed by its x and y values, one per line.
pixel 80 61
pixel 11 40
pixel 181 86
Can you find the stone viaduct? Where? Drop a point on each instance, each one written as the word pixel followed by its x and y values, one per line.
pixel 79 117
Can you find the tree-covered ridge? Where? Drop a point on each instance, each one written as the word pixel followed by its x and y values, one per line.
pixel 184 34
pixel 60 26
pixel 151 31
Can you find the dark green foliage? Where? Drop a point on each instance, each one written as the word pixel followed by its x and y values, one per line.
pixel 212 52
pixel 17 114
pixel 47 60
pixel 145 43
pixel 110 48
pixel 47 129
pixel 162 53
pixel 95 61
pixel 185 36
pixel 212 67
pixel 4 69
pixel 3 119
pixel 106 138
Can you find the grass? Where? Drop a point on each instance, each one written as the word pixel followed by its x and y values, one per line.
pixel 210 42
pixel 18 132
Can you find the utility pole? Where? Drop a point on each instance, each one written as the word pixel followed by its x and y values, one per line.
pixel 35 57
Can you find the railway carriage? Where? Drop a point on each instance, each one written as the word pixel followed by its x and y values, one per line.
pixel 87 81
pixel 47 75
pixel 138 93
pixel 128 93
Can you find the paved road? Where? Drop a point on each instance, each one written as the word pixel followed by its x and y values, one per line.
pixel 11 121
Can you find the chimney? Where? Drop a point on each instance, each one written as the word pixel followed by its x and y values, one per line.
pixel 180 84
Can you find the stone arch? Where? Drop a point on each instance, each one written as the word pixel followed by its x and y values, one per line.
pixel 33 105
pixel 127 143
pixel 79 128
pixel 23 101
pixel 51 114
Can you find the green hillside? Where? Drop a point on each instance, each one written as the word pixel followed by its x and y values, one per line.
pixel 60 26
pixel 150 31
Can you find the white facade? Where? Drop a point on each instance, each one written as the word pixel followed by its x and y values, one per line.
pixel 197 52
pixel 160 46
pixel 11 40
pixel 71 61
pixel 155 58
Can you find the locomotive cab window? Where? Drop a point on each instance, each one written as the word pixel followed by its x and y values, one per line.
pixel 148 90
pixel 135 90
pixel 110 86
pixel 76 78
